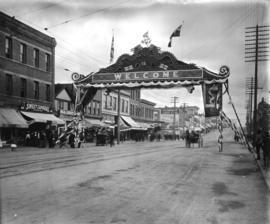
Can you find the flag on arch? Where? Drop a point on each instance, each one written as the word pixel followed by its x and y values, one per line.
pixel 175 33
pixel 112 50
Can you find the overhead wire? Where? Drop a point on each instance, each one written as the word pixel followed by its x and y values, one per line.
pixel 217 45
pixel 40 9
pixel 86 15
pixel 225 30
pixel 92 58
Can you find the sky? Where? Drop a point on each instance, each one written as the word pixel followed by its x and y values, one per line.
pixel 212 35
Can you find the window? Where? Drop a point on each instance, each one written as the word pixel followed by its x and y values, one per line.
pixel 123 106
pixel 47 62
pixel 98 108
pixel 114 103
pixel 23 87
pixel 36 57
pixel 8 47
pixel 111 102
pixel 126 106
pixel 94 108
pixel 61 105
pixel 48 92
pixel 9 84
pixel 109 98
pixel 36 90
pixel 23 53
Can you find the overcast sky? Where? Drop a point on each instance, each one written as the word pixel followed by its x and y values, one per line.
pixel 213 35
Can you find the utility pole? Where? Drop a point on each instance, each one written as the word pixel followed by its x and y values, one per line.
pixel 183 115
pixel 256 49
pixel 250 88
pixel 249 92
pixel 118 116
pixel 174 107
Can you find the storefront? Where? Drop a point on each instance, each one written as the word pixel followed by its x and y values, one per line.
pixel 11 125
pixel 43 124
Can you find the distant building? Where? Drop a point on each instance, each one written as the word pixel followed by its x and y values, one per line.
pixel 135 102
pixel 109 107
pixel 178 118
pixel 263 116
pixel 64 103
pixel 147 110
pixel 65 96
pixel 26 77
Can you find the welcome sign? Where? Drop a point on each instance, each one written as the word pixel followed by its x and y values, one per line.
pixel 147 76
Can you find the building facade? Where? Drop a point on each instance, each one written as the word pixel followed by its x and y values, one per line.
pixel 109 108
pixel 135 108
pixel 26 69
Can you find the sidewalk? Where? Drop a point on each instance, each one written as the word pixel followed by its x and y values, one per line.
pixel 265 171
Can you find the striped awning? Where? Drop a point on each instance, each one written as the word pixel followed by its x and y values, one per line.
pixel 42 117
pixel 11 118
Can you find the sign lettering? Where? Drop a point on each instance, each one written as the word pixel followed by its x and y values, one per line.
pixel 147 76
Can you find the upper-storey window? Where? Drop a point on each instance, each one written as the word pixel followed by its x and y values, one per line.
pixel 23 87
pixel 9 84
pixel 47 62
pixel 8 47
pixel 36 90
pixel 36 57
pixel 23 53
pixel 48 92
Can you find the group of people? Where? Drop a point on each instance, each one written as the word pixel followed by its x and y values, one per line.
pixel 192 137
pixel 41 139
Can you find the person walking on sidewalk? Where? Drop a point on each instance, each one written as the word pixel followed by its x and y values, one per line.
pixel 266 148
pixel 259 143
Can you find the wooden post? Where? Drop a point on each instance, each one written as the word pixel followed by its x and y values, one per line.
pixel 118 117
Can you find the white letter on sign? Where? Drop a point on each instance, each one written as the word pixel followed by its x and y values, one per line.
pixel 155 75
pixel 165 74
pixel 145 75
pixel 117 76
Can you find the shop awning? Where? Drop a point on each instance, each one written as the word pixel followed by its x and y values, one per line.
pixel 94 122
pixel 130 122
pixel 42 117
pixel 145 125
pixel 11 118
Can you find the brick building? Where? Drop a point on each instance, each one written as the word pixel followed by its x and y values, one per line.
pixel 26 76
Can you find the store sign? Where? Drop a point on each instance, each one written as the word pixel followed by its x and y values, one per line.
pixel 35 107
pixel 176 75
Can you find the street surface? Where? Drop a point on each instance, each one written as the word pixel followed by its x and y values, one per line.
pixel 135 183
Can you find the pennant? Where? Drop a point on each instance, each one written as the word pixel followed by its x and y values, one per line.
pixel 175 33
pixel 112 50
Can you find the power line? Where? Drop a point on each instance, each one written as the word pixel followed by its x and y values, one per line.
pixel 88 14
pixel 92 58
pixel 228 28
pixel 40 9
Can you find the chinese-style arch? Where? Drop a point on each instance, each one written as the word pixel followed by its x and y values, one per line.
pixel 149 67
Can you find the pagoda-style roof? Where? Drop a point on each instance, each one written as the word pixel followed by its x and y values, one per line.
pixel 150 67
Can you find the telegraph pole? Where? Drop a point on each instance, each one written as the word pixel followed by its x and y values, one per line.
pixel 256 49
pixel 184 115
pixel 250 88
pixel 249 92
pixel 118 116
pixel 174 107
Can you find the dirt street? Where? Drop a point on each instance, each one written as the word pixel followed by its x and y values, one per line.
pixel 134 183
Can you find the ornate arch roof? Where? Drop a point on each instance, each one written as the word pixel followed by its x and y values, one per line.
pixel 150 67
